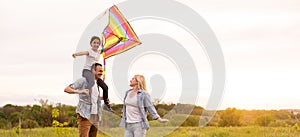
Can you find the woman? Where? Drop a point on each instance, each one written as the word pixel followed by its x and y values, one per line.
pixel 136 102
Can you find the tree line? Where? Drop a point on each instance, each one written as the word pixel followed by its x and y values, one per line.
pixel 46 115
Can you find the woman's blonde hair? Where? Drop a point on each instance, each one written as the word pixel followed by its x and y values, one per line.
pixel 141 82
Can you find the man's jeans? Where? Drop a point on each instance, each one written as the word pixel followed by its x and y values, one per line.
pixel 85 127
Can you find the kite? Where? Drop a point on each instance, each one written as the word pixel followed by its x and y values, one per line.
pixel 118 36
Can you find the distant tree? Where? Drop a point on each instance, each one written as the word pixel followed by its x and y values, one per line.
pixel 8 109
pixel 297 116
pixel 230 117
pixel 2 115
pixel 43 102
pixel 4 124
pixel 191 121
pixel 282 115
pixel 28 123
pixel 161 112
pixel 117 108
pixel 278 123
pixel 197 111
pixel 156 101
pixel 264 120
pixel 35 113
pixel 14 118
pixel 183 108
pixel 166 107
pixel 45 117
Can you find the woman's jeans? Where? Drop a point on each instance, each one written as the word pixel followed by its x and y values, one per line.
pixel 134 130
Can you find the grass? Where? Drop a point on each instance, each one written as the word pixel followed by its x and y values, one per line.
pixel 249 131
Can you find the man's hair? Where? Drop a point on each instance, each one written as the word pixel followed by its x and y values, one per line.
pixel 94 66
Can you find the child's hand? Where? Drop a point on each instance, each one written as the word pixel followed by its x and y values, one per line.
pixel 73 55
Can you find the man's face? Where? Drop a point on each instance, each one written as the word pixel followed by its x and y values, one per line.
pixel 98 72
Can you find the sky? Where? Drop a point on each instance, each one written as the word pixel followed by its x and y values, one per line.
pixel 259 40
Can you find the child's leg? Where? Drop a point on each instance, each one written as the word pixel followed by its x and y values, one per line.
pixel 90 78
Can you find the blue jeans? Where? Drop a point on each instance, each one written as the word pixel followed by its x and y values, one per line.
pixel 134 130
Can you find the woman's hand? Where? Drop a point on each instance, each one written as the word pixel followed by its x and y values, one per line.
pixel 161 120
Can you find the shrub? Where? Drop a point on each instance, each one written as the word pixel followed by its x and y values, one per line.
pixel 278 123
pixel 264 120
pixel 28 123
pixel 296 127
pixel 230 117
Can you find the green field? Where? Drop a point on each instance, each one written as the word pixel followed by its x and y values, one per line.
pixel 249 131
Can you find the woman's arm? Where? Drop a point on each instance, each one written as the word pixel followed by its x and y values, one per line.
pixel 151 109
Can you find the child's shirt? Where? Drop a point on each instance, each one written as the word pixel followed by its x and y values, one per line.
pixel 92 58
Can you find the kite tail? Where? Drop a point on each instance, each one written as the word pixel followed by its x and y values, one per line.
pixel 103 54
pixel 104 68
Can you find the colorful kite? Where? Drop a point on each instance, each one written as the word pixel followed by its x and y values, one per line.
pixel 118 36
pixel 118 28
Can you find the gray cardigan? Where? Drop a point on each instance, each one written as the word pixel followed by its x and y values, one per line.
pixel 144 104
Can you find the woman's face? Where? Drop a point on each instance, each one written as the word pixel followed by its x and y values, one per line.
pixel 95 44
pixel 133 82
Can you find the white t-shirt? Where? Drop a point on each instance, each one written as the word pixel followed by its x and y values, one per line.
pixel 92 58
pixel 95 96
pixel 132 111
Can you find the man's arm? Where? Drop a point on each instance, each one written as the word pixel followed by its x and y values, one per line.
pixel 73 88
pixel 70 90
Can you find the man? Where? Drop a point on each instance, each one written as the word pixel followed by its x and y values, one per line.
pixel 89 106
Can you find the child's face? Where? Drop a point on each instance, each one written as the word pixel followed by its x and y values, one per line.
pixel 95 44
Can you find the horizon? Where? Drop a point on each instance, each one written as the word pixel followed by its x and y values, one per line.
pixel 164 103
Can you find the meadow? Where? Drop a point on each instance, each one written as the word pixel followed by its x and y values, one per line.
pixel 247 131
pixel 60 121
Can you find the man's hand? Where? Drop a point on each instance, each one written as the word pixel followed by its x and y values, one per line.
pixel 84 91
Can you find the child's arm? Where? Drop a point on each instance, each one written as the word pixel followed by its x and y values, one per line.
pixel 80 54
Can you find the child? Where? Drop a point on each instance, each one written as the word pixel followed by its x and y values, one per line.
pixel 92 56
